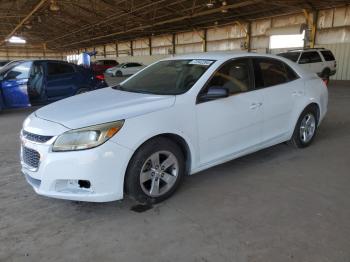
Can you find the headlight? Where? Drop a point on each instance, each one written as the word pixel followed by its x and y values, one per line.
pixel 87 137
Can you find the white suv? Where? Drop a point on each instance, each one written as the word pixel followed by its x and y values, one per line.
pixel 318 60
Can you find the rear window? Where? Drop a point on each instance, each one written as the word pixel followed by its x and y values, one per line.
pixel 310 57
pixel 271 72
pixel 328 56
pixel 59 68
pixel 293 56
pixel 110 62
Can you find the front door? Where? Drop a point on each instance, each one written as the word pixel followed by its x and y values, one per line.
pixel 232 125
pixel 14 85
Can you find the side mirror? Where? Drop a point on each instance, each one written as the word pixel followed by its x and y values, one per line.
pixel 214 92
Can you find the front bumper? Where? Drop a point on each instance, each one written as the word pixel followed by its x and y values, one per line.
pixel 58 173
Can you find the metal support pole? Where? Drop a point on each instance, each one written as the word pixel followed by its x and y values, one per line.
pixel 173 44
pixel 150 45
pixel 205 31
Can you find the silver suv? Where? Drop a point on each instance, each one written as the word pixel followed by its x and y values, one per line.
pixel 318 60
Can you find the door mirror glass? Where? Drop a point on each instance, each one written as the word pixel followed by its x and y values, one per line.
pixel 215 92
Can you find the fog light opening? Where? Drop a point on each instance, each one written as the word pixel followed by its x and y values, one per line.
pixel 84 183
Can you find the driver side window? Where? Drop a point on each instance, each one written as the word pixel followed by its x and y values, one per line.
pixel 20 71
pixel 234 76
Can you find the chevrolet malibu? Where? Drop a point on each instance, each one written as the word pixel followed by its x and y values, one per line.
pixel 174 118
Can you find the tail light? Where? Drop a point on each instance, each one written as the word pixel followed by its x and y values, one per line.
pixel 326 81
pixel 100 77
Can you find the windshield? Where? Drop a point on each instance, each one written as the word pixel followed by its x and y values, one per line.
pixel 8 66
pixel 16 71
pixel 171 77
pixel 293 56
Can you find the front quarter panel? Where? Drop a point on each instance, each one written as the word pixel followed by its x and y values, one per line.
pixel 177 120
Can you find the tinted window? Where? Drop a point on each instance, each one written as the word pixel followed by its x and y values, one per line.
pixel 19 71
pixel 171 77
pixel 134 64
pixel 310 57
pixel 269 72
pixel 290 73
pixel 59 68
pixel 234 75
pixel 110 62
pixel 328 56
pixel 293 56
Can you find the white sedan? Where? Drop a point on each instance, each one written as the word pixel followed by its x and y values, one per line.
pixel 177 117
pixel 125 69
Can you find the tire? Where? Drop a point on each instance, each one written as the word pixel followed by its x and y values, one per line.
pixel 82 91
pixel 118 74
pixel 144 177
pixel 306 128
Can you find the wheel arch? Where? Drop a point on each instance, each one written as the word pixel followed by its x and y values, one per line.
pixel 179 140
pixel 311 104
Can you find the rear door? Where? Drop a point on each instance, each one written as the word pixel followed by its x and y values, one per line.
pixel 312 61
pixel 329 59
pixel 60 82
pixel 14 85
pixel 281 88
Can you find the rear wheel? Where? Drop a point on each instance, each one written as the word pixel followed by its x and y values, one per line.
pixel 305 129
pixel 155 171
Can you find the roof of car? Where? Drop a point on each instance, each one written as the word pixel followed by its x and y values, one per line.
pixel 219 55
pixel 306 50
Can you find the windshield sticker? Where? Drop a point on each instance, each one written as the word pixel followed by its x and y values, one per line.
pixel 201 62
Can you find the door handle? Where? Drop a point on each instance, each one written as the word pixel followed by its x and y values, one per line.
pixel 255 105
pixel 297 93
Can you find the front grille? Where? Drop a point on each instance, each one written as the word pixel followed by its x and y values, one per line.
pixel 35 137
pixel 30 157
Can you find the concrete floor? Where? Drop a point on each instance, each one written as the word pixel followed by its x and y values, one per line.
pixel 280 204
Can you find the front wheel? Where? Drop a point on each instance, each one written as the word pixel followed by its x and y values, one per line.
pixel 118 73
pixel 305 129
pixel 155 171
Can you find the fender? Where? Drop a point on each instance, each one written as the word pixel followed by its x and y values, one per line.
pixel 137 133
pixel 309 98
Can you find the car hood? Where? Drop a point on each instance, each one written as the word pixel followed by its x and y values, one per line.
pixel 102 106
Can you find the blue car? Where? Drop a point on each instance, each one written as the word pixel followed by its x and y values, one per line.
pixel 24 83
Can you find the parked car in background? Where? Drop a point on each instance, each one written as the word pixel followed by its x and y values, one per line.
pixel 125 69
pixel 176 117
pixel 100 66
pixel 318 60
pixel 31 82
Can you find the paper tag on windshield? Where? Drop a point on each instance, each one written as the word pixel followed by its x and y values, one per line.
pixel 201 62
